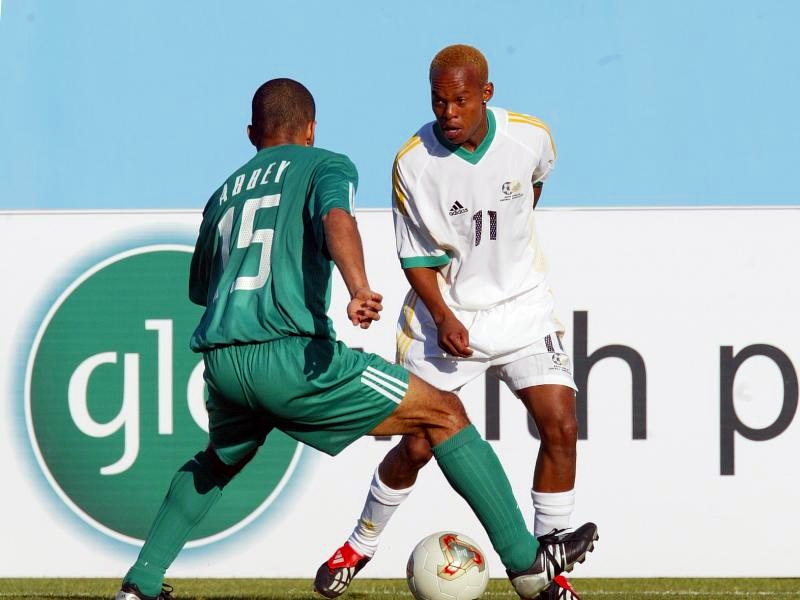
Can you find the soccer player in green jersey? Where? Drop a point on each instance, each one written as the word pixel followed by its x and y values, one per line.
pixel 262 268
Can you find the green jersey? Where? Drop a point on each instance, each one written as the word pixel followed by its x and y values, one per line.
pixel 260 266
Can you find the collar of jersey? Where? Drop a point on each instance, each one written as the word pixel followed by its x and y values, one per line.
pixel 470 157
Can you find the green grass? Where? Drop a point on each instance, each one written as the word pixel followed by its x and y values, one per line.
pixel 395 589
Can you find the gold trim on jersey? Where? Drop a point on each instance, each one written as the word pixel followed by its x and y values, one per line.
pixel 515 117
pixel 405 336
pixel 397 194
pixel 413 141
pixel 400 198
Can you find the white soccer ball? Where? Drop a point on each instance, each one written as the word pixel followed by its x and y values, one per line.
pixel 447 566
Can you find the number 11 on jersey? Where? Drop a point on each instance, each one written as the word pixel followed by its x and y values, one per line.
pixel 478 218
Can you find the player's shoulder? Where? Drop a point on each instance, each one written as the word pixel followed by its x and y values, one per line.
pixel 517 121
pixel 327 161
pixel 527 130
pixel 522 127
pixel 325 155
pixel 415 151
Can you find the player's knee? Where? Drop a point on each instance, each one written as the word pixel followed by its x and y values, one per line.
pixel 223 472
pixel 451 414
pixel 560 434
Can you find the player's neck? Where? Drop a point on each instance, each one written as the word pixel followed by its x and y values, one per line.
pixel 476 139
pixel 281 140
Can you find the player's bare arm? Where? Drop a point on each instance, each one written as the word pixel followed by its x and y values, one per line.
pixel 344 245
pixel 537 191
pixel 453 336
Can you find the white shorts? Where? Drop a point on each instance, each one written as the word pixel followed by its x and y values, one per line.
pixel 543 362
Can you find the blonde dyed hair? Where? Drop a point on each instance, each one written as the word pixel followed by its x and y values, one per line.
pixel 461 55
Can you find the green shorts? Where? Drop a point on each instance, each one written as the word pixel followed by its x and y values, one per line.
pixel 320 392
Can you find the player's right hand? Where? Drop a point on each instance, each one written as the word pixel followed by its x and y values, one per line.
pixel 364 307
pixel 454 337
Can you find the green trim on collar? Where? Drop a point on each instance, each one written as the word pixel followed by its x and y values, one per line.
pixel 460 151
pixel 424 261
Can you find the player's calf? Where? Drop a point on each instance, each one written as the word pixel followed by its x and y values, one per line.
pixel 399 468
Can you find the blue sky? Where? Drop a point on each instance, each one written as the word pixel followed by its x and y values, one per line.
pixel 144 104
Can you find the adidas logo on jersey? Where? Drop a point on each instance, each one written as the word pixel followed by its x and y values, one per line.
pixel 457 209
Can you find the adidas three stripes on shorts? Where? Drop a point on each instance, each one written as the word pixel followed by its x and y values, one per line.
pixel 318 391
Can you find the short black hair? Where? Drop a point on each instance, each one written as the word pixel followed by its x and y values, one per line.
pixel 282 106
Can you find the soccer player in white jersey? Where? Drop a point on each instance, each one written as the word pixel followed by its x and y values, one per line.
pixel 464 191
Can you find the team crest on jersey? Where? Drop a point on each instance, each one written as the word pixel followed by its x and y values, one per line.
pixel 560 361
pixel 511 190
pixel 457 209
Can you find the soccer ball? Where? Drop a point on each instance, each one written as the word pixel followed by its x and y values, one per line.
pixel 447 566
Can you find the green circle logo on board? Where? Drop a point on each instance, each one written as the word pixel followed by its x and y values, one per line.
pixel 115 400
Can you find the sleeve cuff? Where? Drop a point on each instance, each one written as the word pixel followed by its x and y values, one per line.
pixel 345 206
pixel 424 261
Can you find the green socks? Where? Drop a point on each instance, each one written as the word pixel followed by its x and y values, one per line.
pixel 193 491
pixel 468 463
pixel 473 469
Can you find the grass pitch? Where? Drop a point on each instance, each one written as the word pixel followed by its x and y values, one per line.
pixel 395 589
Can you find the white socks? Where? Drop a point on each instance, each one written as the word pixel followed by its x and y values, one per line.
pixel 379 507
pixel 552 510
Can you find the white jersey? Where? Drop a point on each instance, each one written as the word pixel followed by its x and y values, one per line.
pixel 470 214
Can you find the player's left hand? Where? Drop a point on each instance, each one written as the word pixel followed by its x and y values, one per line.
pixel 454 337
pixel 365 307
